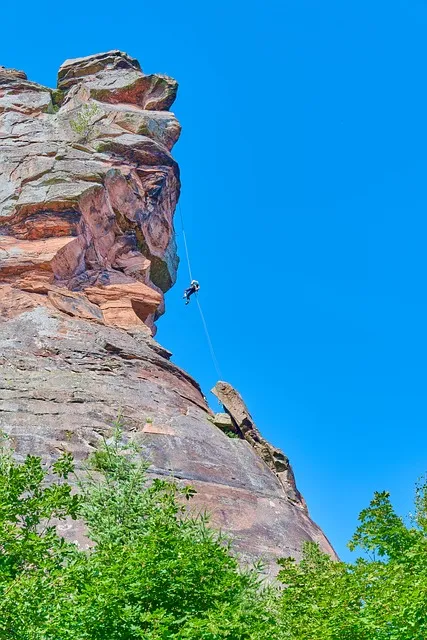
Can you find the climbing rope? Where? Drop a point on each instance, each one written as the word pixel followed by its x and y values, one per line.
pixel 212 350
pixel 202 316
pixel 185 241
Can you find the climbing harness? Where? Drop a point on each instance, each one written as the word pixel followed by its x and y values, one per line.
pixel 202 316
pixel 192 289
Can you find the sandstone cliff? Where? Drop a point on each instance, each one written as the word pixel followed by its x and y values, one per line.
pixel 88 190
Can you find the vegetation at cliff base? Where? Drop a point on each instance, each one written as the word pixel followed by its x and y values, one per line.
pixel 382 596
pixel 154 571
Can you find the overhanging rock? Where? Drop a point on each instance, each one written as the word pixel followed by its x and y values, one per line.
pixel 243 425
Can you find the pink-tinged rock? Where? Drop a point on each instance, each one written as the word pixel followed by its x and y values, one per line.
pixel 244 426
pixel 98 226
pixel 117 78
pixel 8 74
pixel 75 304
pixel 151 93
pixel 125 305
pixel 69 261
pixel 162 126
pixel 75 70
pixel 34 282
pixel 17 94
pixel 17 256
pixel 91 163
pixel 44 224
pixel 141 201
pixel 159 429
pixel 136 291
pixel 68 378
pixel 88 190
pixel 121 313
pixel 14 303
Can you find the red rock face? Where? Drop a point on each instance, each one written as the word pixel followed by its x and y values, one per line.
pixel 88 190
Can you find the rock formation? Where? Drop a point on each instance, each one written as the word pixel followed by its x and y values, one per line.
pixel 88 190
pixel 239 422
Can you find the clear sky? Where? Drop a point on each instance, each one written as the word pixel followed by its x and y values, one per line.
pixel 303 159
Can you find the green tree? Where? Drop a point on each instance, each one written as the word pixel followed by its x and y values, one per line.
pixel 382 596
pixel 154 572
pixel 32 556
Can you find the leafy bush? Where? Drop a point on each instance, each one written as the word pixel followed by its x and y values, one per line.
pixel 154 572
pixel 382 596
pixel 82 125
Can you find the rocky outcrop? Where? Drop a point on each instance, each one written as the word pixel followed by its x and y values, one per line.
pixel 242 425
pixel 88 190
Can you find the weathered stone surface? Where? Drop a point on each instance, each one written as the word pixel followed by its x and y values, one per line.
pixel 90 164
pixel 6 74
pixel 224 422
pixel 63 381
pixel 116 78
pixel 88 190
pixel 72 71
pixel 244 426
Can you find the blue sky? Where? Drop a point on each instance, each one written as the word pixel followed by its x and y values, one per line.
pixel 303 159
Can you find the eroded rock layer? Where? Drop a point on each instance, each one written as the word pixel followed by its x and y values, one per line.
pixel 88 190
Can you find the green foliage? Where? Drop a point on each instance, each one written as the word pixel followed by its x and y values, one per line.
pixel 82 125
pixel 32 555
pixel 230 433
pixel 52 108
pixel 57 97
pixel 154 573
pixel 382 596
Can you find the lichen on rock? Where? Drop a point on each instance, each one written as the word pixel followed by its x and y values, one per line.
pixel 88 187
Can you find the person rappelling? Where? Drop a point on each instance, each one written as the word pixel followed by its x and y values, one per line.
pixel 193 288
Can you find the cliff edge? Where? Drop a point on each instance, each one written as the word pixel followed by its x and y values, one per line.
pixel 88 190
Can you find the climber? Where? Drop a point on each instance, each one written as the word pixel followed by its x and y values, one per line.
pixel 193 288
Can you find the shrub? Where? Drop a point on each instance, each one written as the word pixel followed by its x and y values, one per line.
pixel 82 125
pixel 382 596
pixel 155 572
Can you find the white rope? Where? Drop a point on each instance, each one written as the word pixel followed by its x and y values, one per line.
pixel 212 350
pixel 185 242
pixel 205 326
